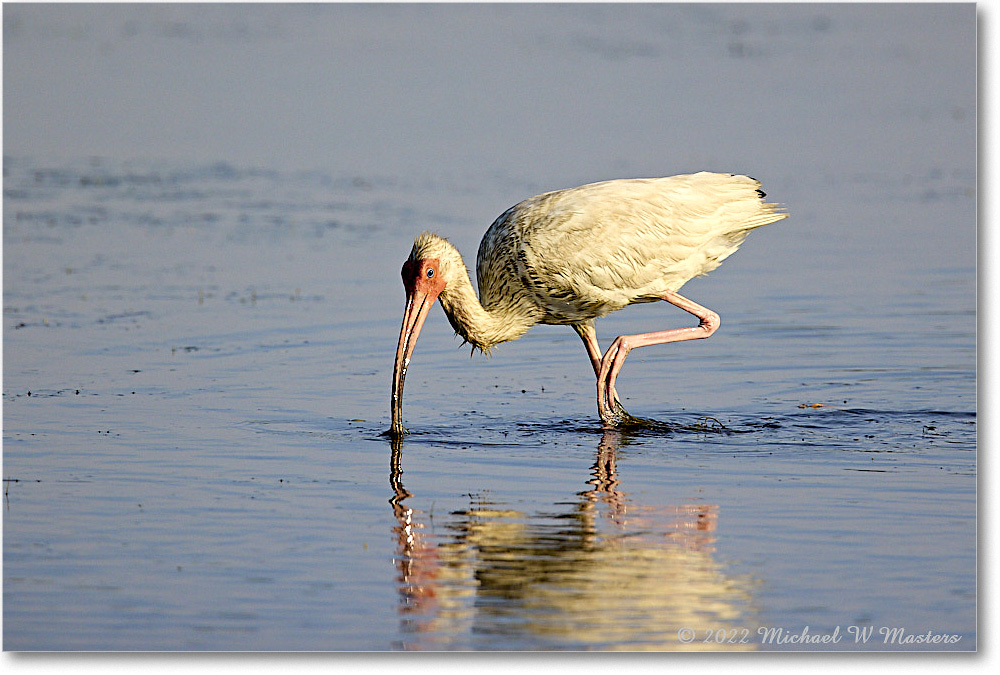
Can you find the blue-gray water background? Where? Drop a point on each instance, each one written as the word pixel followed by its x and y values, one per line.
pixel 205 211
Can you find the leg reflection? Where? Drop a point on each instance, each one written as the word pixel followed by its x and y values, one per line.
pixel 604 479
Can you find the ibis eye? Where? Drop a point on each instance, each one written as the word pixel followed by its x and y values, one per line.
pixel 430 272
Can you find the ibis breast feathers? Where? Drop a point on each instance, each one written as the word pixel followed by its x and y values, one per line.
pixel 580 253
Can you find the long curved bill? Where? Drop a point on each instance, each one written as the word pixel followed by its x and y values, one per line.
pixel 418 304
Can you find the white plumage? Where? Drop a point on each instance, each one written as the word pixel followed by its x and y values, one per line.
pixel 570 256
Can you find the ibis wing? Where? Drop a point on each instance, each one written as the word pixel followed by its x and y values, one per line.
pixel 587 251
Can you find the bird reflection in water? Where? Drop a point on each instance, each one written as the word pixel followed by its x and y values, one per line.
pixel 596 572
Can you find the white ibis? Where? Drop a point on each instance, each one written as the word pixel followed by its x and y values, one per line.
pixel 571 256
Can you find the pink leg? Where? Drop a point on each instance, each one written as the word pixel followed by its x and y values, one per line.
pixel 588 334
pixel 614 358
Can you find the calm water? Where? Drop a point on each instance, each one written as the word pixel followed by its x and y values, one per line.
pixel 198 343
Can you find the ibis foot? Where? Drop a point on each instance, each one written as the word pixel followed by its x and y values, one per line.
pixel 617 416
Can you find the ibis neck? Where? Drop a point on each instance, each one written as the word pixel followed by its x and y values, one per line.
pixel 478 326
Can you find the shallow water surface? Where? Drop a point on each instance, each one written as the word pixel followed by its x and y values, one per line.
pixel 198 355
pixel 193 455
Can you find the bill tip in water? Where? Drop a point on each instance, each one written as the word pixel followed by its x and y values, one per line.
pixel 395 431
